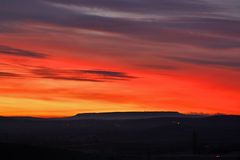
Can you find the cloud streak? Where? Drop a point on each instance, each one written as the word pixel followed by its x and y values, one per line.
pixel 226 62
pixel 142 6
pixel 19 52
pixel 81 75
pixel 106 74
pixel 204 28
pixel 8 75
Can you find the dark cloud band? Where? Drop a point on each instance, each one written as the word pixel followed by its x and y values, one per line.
pixel 19 52
pixel 8 74
pixel 81 75
pixel 204 61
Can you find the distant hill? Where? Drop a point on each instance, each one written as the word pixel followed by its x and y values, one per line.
pixel 114 116
pixel 122 135
pixel 127 115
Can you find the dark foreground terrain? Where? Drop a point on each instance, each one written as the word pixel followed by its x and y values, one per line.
pixel 122 136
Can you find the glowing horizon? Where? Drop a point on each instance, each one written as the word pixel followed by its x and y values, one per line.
pixel 59 58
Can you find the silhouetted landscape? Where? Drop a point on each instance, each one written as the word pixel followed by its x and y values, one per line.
pixel 122 136
pixel 120 79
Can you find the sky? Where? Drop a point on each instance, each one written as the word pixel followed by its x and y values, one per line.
pixel 63 57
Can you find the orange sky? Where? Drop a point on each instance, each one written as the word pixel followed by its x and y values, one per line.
pixel 58 68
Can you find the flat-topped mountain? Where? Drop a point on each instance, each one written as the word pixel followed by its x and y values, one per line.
pixel 127 115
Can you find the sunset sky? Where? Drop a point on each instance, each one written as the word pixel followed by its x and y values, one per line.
pixel 62 57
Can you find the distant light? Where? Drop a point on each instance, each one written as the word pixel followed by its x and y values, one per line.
pixel 218 156
pixel 176 122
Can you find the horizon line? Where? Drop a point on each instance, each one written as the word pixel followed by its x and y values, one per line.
pixel 112 112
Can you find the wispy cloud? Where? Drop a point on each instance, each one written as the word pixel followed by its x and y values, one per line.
pixel 218 61
pixel 108 13
pixel 107 74
pixel 209 25
pixel 19 52
pixel 81 75
pixel 8 74
pixel 159 66
pixel 142 6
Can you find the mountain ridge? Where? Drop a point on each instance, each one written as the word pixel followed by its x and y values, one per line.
pixel 120 115
pixel 130 115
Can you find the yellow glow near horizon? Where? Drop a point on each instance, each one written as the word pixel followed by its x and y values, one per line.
pixel 45 108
